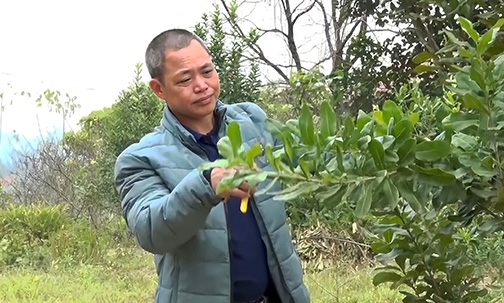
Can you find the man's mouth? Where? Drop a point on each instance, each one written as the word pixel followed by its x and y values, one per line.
pixel 203 99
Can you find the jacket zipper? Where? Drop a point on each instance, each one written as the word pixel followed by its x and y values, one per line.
pixel 282 278
pixel 229 251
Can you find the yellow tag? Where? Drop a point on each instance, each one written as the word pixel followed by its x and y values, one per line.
pixel 244 204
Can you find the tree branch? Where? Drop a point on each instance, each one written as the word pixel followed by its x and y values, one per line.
pixel 327 28
pixel 274 30
pixel 350 34
pixel 254 47
pixel 291 43
pixel 309 8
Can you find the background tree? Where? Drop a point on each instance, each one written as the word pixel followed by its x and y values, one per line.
pixel 239 78
pixel 373 46
pixel 433 196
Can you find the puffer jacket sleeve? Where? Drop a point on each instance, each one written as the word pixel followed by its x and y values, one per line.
pixel 161 220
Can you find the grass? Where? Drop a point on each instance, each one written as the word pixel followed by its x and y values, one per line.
pixel 132 278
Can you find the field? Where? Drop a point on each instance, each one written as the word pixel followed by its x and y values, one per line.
pixel 131 278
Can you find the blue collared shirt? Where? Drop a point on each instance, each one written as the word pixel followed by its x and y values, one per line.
pixel 249 266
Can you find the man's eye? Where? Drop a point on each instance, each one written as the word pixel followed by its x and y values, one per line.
pixel 185 80
pixel 208 71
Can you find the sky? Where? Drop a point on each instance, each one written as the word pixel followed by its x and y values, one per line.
pixel 88 49
pixel 85 48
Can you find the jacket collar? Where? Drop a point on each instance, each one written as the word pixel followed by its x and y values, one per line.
pixel 173 125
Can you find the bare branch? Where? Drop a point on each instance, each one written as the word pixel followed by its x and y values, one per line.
pixel 350 34
pixel 297 6
pixel 425 36
pixel 377 30
pixel 254 47
pixel 327 28
pixel 323 60
pixel 273 30
pixel 291 43
pixel 309 8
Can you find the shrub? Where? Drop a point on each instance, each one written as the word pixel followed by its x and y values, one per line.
pixel 41 235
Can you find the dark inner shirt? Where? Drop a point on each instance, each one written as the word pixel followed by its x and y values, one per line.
pixel 249 266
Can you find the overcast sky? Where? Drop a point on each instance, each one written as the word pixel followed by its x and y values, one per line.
pixel 89 49
pixel 85 48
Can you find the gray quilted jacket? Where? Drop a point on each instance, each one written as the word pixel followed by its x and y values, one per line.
pixel 173 212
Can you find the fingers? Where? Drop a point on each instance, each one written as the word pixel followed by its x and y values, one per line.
pixel 238 193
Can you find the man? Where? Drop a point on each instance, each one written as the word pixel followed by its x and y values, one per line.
pixel 205 249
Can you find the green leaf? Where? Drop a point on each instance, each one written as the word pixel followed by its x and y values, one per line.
pixel 362 120
pixel 363 142
pixel 454 39
pixel 390 109
pixel 387 141
pixel 367 129
pixel 385 258
pixel 422 57
pixel 265 189
pixel 483 171
pixel 434 176
pixel 287 144
pixel 234 137
pixel 432 150
pixel 465 84
pixel 225 148
pixel 390 126
pixel 306 126
pixel 364 203
pixel 391 193
pixel 466 142
pixel 489 37
pixel 391 156
pixel 384 277
pixel 296 191
pixel 406 191
pixel 339 159
pixel 331 196
pixel 377 152
pixel 422 68
pixel 477 74
pixel 406 152
pixel 254 151
pixel 216 163
pixel 498 71
pixel 460 121
pixel 414 117
pixel 403 131
pixel 327 121
pixel 275 127
pixel 348 130
pixel 305 167
pixel 467 26
pixel 449 195
pixel 471 101
pixel 268 152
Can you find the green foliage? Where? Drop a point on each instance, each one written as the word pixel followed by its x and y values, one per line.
pixel 379 164
pixel 239 81
pixel 40 236
pixel 5 198
pixel 105 134
pixel 427 254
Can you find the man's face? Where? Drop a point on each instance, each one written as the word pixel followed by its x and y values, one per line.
pixel 190 84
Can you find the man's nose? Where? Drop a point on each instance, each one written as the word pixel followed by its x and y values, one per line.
pixel 200 84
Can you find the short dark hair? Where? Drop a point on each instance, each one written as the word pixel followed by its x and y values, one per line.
pixel 172 39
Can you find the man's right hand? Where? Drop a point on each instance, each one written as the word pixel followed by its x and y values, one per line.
pixel 219 173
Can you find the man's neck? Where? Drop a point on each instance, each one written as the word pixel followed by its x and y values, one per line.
pixel 202 126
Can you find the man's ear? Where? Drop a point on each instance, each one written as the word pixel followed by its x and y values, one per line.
pixel 156 87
